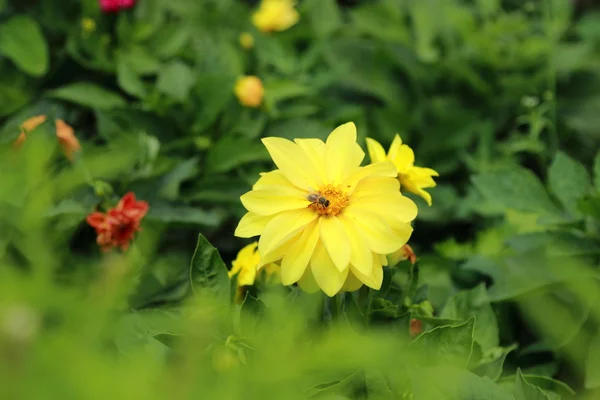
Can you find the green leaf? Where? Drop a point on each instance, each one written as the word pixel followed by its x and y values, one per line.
pixel 450 344
pixel 376 386
pixel 516 188
pixel 208 273
pixel 22 41
pixel 597 171
pixel 569 181
pixel 526 391
pixel 492 362
pixel 592 366
pixel 89 95
pixel 474 303
pixel 453 384
pixel 324 16
pixel 182 214
pixel 171 182
pixel 176 80
pixel 129 81
pixel 230 152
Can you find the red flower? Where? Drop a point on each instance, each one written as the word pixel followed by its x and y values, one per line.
pixel 117 226
pixel 116 5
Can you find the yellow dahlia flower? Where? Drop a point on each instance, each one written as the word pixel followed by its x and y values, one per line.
pixel 245 267
pixel 326 220
pixel 275 15
pixel 414 179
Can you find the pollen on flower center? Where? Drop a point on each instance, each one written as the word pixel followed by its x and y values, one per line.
pixel 328 200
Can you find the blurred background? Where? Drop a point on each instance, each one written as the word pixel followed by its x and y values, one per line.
pixel 168 99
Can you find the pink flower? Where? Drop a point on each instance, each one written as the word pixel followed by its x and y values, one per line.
pixel 116 5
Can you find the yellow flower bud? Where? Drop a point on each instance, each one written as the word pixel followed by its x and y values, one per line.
pixel 88 25
pixel 246 40
pixel 275 15
pixel 249 91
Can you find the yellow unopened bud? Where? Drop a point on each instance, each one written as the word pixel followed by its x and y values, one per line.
pixel 275 15
pixel 249 91
pixel 246 40
pixel 88 25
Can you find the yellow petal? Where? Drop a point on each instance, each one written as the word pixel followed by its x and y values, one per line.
pixel 339 153
pixel 283 227
pixel 352 283
pixel 358 155
pixel 315 150
pixel 381 169
pixel 280 250
pixel 392 206
pixel 377 186
pixel 383 259
pixel 252 224
pixel 379 236
pixel 376 151
pixel 408 185
pixel 394 147
pixel 269 202
pixel 360 256
pixel 327 276
pixel 295 261
pixel 404 159
pixel 336 241
pixel 403 232
pixel 271 178
pixel 308 282
pixel 293 162
pixel 375 278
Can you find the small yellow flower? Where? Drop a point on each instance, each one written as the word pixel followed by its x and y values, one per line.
pixel 245 266
pixel 249 91
pixel 64 133
pixel 28 126
pixel 66 137
pixel 246 40
pixel 275 15
pixel 326 220
pixel 88 25
pixel 414 179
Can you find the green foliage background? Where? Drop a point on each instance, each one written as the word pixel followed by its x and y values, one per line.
pixel 499 96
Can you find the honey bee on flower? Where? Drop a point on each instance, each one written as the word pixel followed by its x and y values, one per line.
pixel 326 220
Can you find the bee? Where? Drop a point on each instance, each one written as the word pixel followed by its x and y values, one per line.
pixel 318 199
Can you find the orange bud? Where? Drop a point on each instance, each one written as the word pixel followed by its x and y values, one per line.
pixel 27 126
pixel 249 91
pixel 66 138
pixel 416 327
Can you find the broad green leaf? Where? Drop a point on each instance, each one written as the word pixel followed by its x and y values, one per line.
pixel 176 80
pixel 597 171
pixel 208 273
pixel 129 81
pixel 183 214
pixel 516 188
pixel 171 182
pixel 569 181
pixel 377 387
pixel 11 99
pixel 526 391
pixel 525 272
pixel 492 362
pixel 453 384
pixel 229 153
pixel 89 95
pixel 592 367
pixel 324 16
pixel 474 303
pixel 22 41
pixel 449 344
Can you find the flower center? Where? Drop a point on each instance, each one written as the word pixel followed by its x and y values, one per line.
pixel 328 200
